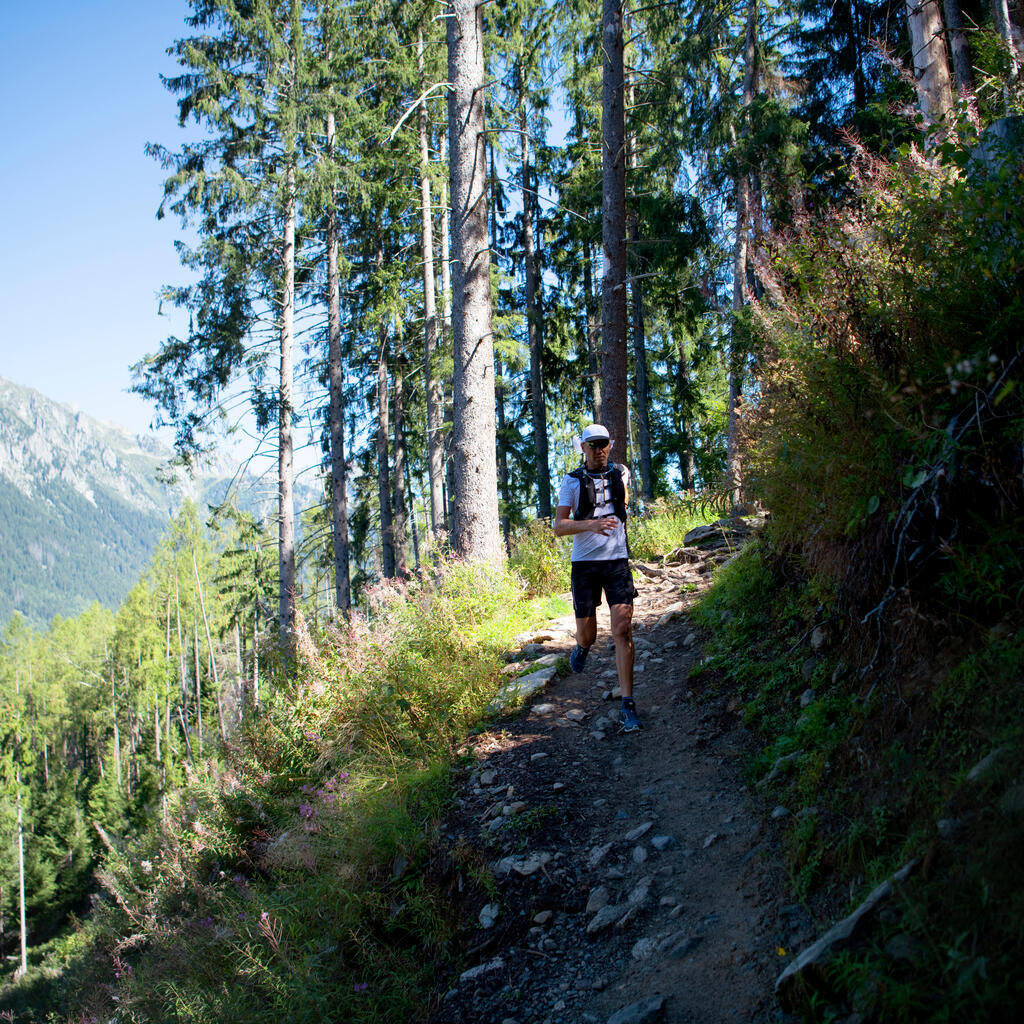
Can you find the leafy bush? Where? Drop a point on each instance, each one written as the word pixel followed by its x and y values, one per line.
pixel 664 525
pixel 890 409
pixel 541 559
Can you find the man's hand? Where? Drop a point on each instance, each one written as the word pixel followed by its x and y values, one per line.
pixel 566 527
pixel 605 525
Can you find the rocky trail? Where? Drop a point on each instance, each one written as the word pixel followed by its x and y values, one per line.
pixel 635 877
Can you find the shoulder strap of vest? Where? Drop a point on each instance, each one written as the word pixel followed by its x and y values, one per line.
pixel 588 493
pixel 618 488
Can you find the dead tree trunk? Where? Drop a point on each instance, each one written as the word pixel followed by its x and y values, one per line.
pixel 934 92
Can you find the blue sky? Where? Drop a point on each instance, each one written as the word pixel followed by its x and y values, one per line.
pixel 83 254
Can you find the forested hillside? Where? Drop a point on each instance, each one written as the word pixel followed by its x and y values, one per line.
pixel 778 250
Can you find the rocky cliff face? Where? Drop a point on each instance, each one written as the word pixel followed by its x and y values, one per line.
pixel 43 442
pixel 82 506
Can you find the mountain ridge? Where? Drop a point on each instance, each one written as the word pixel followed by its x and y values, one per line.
pixel 83 504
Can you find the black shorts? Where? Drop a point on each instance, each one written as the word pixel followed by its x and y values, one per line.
pixel 590 577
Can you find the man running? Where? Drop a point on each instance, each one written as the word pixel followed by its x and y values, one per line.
pixel 595 496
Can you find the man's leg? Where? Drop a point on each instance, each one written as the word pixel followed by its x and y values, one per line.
pixel 621 591
pixel 622 633
pixel 586 596
pixel 586 634
pixel 586 631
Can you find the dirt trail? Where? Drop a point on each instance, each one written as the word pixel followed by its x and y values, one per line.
pixel 629 868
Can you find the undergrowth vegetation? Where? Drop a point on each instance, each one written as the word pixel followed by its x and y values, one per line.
pixel 874 637
pixel 666 522
pixel 291 881
pixel 875 771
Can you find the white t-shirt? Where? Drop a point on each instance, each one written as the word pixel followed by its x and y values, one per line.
pixel 593 546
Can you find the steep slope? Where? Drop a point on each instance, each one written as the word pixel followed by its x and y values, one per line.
pixel 81 506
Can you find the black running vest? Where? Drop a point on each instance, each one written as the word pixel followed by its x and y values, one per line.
pixel 588 492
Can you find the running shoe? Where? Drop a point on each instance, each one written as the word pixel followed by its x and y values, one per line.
pixel 578 658
pixel 628 721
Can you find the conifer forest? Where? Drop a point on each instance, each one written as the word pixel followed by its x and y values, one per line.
pixel 777 248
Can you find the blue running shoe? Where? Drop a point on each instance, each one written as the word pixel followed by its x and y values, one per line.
pixel 628 721
pixel 578 658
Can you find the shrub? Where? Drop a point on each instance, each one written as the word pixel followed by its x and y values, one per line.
pixel 890 407
pixel 541 559
pixel 665 523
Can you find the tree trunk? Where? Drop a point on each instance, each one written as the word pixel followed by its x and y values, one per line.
pixel 734 478
pixel 613 228
pixel 199 688
pixel 680 419
pixel 336 385
pixel 860 92
pixel 476 535
pixel 387 528
pixel 209 647
pixel 499 398
pixel 285 466
pixel 21 882
pixel 643 420
pixel 538 407
pixel 256 659
pixel 593 335
pixel 239 673
pixel 414 529
pixel 641 389
pixel 431 385
pixel 400 508
pixel 182 685
pixel 117 732
pixel 960 48
pixel 934 92
pixel 1004 26
pixel 446 339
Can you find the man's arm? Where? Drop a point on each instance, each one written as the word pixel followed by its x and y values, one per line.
pixel 564 526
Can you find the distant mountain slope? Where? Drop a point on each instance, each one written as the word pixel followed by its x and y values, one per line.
pixel 81 508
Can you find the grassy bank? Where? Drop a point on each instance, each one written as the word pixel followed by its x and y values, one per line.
pixel 873 767
pixel 294 877
pixel 292 881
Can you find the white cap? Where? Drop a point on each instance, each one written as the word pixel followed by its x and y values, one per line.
pixel 589 433
pixel 595 430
